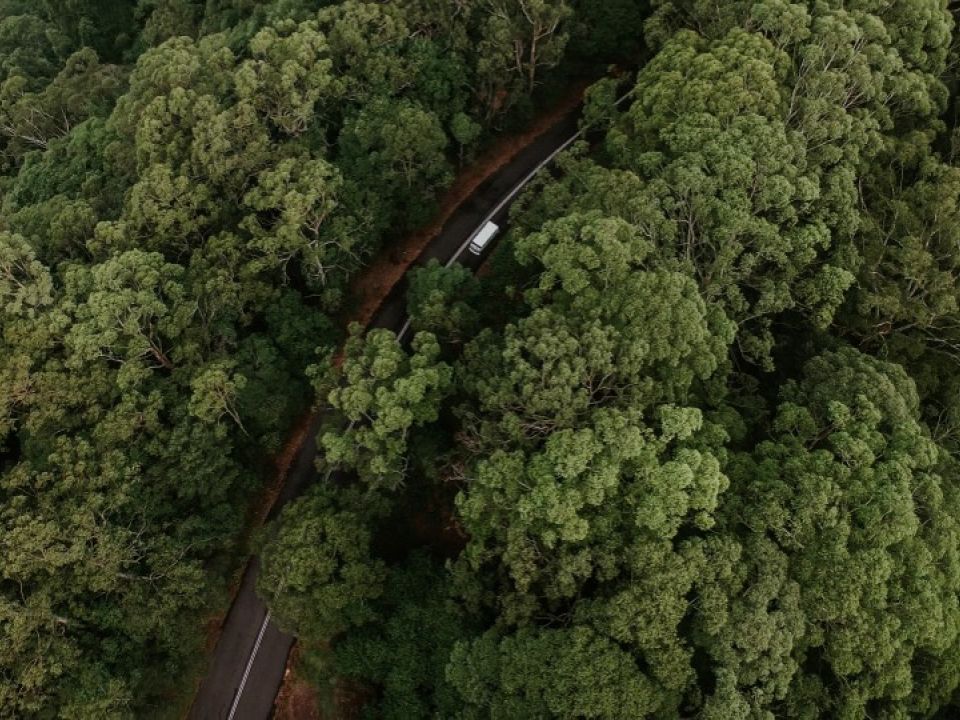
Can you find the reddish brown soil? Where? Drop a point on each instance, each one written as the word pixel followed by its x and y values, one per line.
pixel 343 699
pixel 349 699
pixel 297 699
pixel 281 464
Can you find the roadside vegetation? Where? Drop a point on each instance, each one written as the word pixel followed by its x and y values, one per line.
pixel 689 446
pixel 187 189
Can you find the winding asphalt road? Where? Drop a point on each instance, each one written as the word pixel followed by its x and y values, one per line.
pixel 248 663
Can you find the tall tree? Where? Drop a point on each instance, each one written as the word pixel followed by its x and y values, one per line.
pixel 518 39
pixel 380 393
pixel 318 575
pixel 845 601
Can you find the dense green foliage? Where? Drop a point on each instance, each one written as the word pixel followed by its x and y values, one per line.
pixel 688 449
pixel 701 437
pixel 187 189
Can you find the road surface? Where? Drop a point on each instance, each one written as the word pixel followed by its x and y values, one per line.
pixel 248 663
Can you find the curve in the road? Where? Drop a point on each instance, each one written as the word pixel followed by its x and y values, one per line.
pixel 250 656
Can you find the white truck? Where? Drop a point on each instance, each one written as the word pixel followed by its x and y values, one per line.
pixel 484 236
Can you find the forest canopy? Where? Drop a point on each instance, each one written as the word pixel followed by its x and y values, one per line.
pixel 687 447
pixel 187 190
pixel 700 448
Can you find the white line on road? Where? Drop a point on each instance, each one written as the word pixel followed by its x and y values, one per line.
pixel 246 672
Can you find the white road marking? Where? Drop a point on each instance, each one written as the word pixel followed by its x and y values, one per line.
pixel 246 672
pixel 404 330
pixel 511 195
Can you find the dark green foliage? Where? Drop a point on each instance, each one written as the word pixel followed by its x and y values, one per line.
pixel 848 517
pixel 318 573
pixel 690 451
pixel 606 30
pixel 547 674
pixel 405 653
pixel 706 425
pixel 187 188
pixel 396 155
pixel 106 26
pixel 377 397
pixel 441 300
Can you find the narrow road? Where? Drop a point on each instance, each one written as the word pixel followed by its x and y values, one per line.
pixel 248 663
